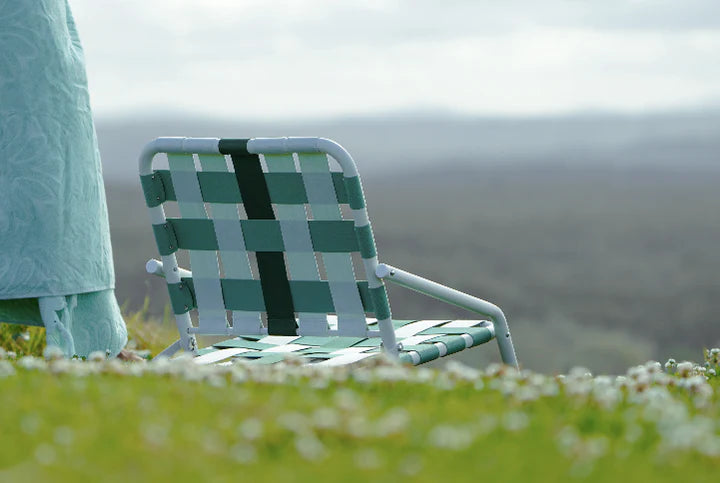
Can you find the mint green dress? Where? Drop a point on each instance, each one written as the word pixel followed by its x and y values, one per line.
pixel 56 266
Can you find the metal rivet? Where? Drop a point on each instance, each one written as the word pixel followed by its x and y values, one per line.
pixel 186 307
pixel 392 272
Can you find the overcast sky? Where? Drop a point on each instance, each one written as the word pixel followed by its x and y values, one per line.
pixel 320 58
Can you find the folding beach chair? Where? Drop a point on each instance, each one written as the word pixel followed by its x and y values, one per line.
pixel 263 223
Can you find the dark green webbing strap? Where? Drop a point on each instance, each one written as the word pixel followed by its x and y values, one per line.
pixel 271 265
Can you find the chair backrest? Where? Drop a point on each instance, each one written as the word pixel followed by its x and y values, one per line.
pixel 275 200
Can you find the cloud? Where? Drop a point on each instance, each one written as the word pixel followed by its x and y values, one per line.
pixel 322 57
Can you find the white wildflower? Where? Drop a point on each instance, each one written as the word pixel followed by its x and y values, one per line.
pixel 251 429
pixel 357 426
pixel 64 436
pixel 461 371
pixel 310 448
pixel 53 352
pixel 6 369
pixel 97 356
pixel 395 421
pixel 527 393
pixel 45 454
pixel 212 443
pixel 155 434
pixel 567 440
pixel 515 421
pixel 451 437
pixel 243 453
pixel 684 369
pixel 653 367
pixel 367 459
pixel 486 424
pixel 346 399
pixel 411 465
pixel 579 373
pixel 30 423
pixel 294 421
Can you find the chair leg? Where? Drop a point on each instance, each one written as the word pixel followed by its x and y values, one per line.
pixel 504 340
pixel 171 349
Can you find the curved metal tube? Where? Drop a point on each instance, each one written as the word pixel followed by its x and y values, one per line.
pixel 455 297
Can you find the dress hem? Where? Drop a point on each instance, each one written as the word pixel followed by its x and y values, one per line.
pixel 32 295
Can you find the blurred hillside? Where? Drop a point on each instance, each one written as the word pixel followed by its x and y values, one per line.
pixel 400 141
pixel 597 235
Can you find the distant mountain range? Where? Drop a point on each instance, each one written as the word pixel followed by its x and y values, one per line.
pixel 400 141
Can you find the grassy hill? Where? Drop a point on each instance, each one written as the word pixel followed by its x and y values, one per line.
pixel 174 420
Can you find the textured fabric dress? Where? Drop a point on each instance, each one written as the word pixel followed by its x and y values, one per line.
pixel 56 264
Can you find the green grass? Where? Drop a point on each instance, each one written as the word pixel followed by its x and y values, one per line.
pixel 176 421
pixel 63 427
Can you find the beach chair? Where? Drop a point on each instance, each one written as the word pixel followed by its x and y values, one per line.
pixel 274 238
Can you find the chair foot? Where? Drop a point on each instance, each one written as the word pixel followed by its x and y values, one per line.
pixel 171 349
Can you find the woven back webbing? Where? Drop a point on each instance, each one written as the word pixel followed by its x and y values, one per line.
pixel 290 219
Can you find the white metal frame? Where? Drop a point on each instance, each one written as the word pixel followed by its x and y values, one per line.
pixel 455 297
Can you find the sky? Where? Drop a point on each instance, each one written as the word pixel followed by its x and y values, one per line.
pixel 267 59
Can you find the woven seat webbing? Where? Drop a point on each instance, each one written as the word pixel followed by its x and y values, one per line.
pixel 271 265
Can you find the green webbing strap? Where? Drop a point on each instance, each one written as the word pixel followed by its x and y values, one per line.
pixel 363 235
pixel 165 238
pixel 328 343
pixel 452 343
pixel 337 236
pixel 219 187
pixel 333 236
pixel 309 295
pixel 355 193
pixel 182 296
pixel 242 343
pixel 480 335
pixel 271 265
pixel 153 189
pixel 405 358
pixel 427 352
pixel 262 357
pixel 380 303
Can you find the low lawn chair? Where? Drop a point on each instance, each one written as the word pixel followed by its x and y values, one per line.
pixel 271 255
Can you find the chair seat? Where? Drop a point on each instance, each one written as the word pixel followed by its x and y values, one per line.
pixel 421 340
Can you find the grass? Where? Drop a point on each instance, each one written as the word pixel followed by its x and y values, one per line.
pixel 176 421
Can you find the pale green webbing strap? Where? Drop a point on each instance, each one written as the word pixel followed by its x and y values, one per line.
pixel 203 264
pixel 231 244
pixel 338 266
pixel 299 253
